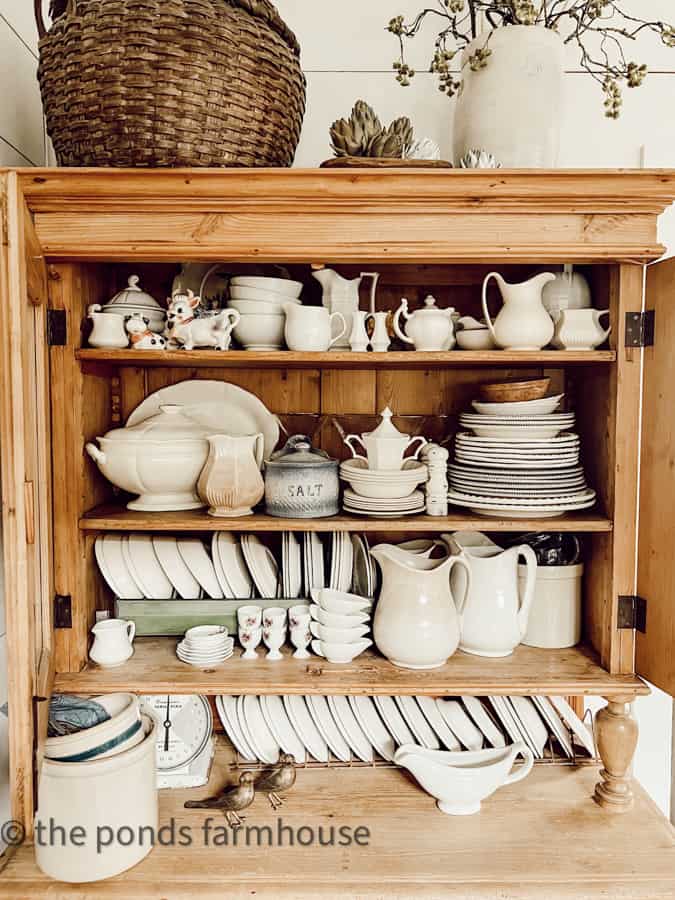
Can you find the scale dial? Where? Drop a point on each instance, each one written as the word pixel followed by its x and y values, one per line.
pixel 184 724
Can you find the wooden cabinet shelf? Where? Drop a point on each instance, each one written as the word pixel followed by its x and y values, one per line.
pixel 119 518
pixel 287 359
pixel 155 669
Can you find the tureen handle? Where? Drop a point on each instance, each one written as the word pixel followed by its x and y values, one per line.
pixel 96 454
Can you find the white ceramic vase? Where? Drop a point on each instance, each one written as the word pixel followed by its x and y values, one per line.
pixel 511 108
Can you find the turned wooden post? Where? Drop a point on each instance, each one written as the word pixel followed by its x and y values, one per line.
pixel 616 735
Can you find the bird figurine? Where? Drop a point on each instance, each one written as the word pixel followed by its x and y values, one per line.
pixel 278 780
pixel 231 801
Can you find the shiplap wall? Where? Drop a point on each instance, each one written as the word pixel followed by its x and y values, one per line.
pixel 347 54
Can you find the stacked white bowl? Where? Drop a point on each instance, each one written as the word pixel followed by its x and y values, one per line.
pixel 383 492
pixel 260 302
pixel 340 623
pixel 205 645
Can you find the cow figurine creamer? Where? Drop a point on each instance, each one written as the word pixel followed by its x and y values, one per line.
pixel 185 328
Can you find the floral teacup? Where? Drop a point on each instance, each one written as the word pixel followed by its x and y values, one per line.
pixel 298 616
pixel 274 617
pixel 249 616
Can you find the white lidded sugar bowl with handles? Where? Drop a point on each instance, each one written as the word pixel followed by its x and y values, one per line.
pixel 429 328
pixel 385 446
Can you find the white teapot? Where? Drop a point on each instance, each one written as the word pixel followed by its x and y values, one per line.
pixel 430 328
pixel 385 445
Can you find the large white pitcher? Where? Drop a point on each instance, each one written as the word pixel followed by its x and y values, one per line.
pixel 416 623
pixel 522 323
pixel 493 620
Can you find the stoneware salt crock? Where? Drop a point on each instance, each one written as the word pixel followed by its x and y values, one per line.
pixel 301 482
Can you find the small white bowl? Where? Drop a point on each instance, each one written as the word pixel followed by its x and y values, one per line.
pixel 260 282
pixel 340 653
pixel 261 332
pixel 383 491
pixel 475 339
pixel 335 620
pixel 338 635
pixel 261 296
pixel 206 634
pixel 340 602
pixel 257 307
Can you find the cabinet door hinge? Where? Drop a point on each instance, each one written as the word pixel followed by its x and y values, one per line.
pixel 57 328
pixel 632 612
pixel 63 611
pixel 640 329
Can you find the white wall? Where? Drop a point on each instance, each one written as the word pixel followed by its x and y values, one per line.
pixel 347 55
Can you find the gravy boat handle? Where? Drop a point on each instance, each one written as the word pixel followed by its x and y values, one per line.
pixel 524 770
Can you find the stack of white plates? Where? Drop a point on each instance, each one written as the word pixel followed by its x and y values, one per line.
pixel 163 567
pixel 383 509
pixel 348 728
pixel 520 462
pixel 205 645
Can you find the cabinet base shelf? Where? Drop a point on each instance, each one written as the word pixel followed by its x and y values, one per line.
pixel 119 518
pixel 509 849
pixel 155 669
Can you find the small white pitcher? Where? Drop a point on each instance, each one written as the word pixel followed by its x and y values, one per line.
pixel 113 642
pixel 309 328
pixel 580 329
pixel 108 332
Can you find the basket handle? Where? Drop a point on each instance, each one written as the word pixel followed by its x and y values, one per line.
pixel 71 7
pixel 39 21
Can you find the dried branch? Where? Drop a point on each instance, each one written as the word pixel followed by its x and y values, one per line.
pixel 580 22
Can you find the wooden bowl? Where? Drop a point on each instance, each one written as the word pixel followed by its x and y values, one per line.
pixel 512 391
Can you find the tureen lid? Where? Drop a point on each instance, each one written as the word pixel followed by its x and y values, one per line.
pixel 132 295
pixel 298 451
pixel 169 424
pixel 386 430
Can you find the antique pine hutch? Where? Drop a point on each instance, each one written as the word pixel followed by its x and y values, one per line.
pixel 71 237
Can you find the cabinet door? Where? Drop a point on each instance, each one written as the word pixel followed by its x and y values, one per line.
pixel 655 648
pixel 26 490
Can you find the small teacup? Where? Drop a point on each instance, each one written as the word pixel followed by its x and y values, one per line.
pixel 249 616
pixel 274 617
pixel 300 638
pixel 298 616
pixel 249 638
pixel 274 640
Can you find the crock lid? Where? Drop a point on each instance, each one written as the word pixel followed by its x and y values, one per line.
pixel 298 451
pixel 169 424
pixel 132 295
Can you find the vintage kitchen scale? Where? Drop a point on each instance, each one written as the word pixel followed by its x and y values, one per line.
pixel 185 747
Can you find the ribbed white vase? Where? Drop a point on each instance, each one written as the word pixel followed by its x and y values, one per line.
pixel 512 107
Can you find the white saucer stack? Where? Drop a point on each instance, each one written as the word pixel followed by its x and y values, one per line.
pixel 518 459
pixel 205 645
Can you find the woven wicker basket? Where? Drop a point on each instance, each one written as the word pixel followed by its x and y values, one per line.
pixel 171 83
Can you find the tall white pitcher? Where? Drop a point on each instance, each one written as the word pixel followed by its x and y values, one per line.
pixel 493 621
